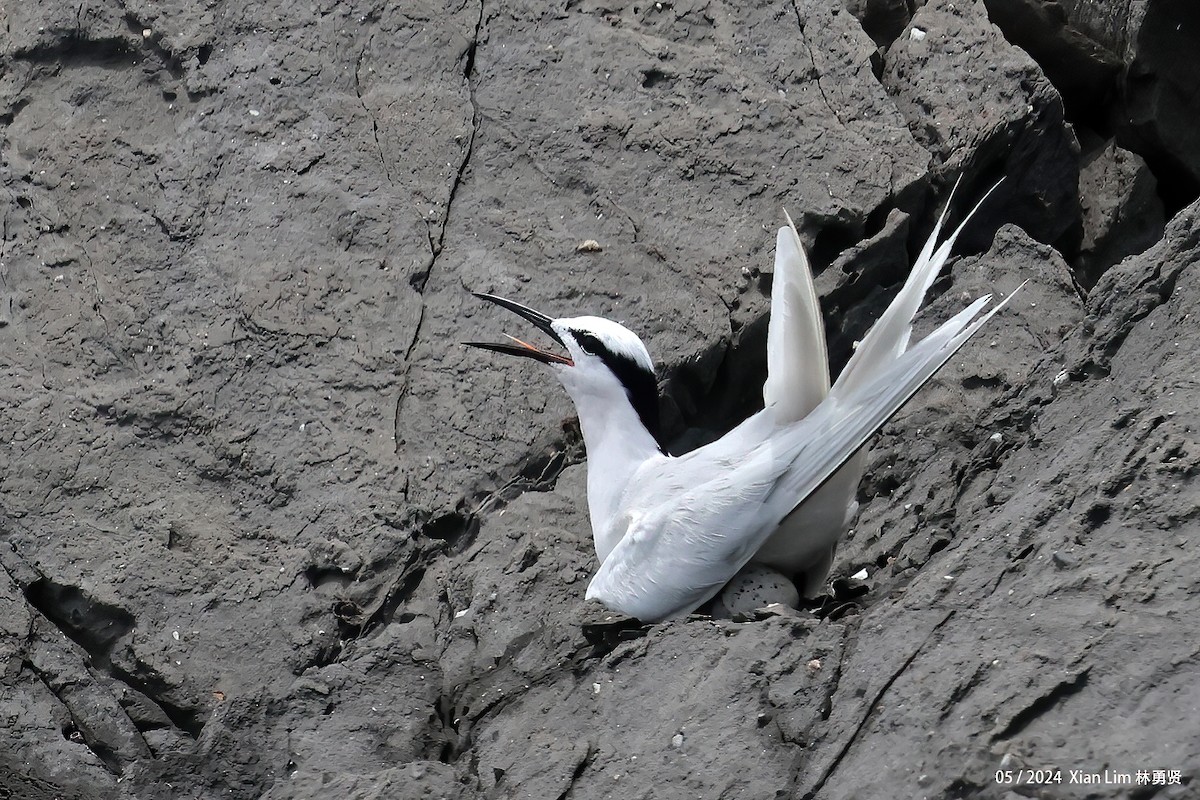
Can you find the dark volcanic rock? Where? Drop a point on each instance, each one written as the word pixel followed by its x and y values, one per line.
pixel 986 110
pixel 267 530
pixel 883 20
pixel 1127 69
pixel 1083 69
pixel 1122 212
pixel 1159 104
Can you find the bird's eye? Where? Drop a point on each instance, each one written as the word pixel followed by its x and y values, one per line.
pixel 588 343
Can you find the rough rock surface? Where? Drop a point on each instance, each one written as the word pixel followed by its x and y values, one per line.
pixel 1081 64
pixel 266 530
pixel 882 20
pixel 986 111
pixel 1122 212
pixel 1126 69
pixel 1157 103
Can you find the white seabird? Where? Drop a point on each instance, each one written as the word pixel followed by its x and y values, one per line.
pixel 779 488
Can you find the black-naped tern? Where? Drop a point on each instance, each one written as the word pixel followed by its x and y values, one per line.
pixel 779 488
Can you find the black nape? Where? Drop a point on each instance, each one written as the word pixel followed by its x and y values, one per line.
pixel 640 384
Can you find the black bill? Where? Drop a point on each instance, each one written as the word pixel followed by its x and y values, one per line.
pixel 517 347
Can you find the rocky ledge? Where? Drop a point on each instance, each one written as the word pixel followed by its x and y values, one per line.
pixel 267 530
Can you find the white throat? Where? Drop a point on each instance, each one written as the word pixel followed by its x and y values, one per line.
pixel 617 444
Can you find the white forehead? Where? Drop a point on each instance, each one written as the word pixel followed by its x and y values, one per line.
pixel 619 339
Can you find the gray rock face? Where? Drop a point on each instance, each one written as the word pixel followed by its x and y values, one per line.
pixel 986 110
pixel 883 20
pixel 1082 64
pixel 1158 89
pixel 1127 69
pixel 267 530
pixel 1122 212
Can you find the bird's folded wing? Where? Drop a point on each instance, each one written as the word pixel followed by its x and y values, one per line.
pixel 815 526
pixel 797 359
pixel 677 553
pixel 683 546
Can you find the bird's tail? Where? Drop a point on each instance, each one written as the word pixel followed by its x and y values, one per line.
pixel 890 335
pixel 838 428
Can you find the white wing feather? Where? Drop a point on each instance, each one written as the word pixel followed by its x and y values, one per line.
pixel 889 336
pixel 797 358
pixel 682 549
pixel 805 540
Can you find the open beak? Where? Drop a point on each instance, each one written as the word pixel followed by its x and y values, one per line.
pixel 517 347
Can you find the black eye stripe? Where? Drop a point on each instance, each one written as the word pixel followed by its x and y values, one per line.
pixel 588 343
pixel 640 384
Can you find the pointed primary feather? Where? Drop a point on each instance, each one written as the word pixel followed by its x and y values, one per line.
pixel 797 381
pixel 889 337
pixel 797 359
pixel 682 546
pixel 807 537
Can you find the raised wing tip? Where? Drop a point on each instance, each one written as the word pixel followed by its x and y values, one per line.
pixel 1011 295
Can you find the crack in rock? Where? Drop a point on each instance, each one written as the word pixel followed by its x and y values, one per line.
pixel 421 279
pixel 1043 703
pixel 96 627
pixel 812 793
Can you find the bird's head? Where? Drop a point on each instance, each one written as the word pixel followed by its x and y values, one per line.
pixel 605 361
